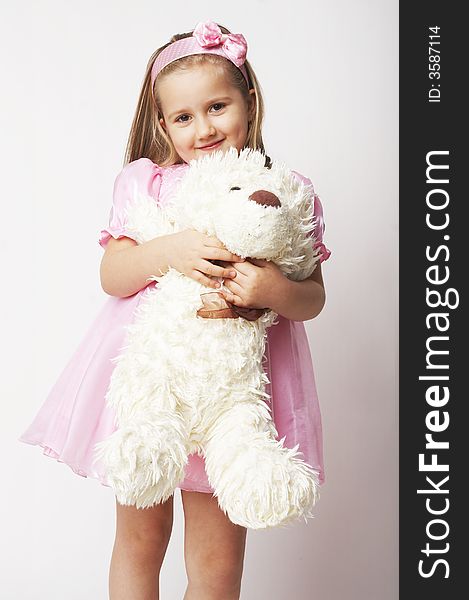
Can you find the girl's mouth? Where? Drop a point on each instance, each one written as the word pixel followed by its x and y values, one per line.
pixel 212 146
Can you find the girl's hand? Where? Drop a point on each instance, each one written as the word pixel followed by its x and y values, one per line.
pixel 258 284
pixel 190 252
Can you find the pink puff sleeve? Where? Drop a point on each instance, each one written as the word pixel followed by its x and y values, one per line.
pixel 143 173
pixel 320 226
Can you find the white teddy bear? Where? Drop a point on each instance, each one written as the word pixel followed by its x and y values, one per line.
pixel 185 383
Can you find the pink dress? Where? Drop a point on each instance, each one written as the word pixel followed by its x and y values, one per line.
pixel 74 416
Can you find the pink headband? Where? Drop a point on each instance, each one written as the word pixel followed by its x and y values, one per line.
pixel 207 38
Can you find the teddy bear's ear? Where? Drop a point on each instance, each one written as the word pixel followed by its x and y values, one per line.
pixel 303 240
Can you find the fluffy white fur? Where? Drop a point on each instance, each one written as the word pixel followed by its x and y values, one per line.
pixel 185 384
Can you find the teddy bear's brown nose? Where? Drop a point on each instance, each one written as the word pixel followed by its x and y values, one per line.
pixel 265 198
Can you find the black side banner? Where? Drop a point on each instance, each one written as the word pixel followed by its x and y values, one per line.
pixel 434 360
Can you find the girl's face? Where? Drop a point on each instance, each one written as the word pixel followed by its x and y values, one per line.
pixel 203 112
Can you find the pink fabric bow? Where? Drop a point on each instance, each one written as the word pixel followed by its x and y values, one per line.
pixel 234 45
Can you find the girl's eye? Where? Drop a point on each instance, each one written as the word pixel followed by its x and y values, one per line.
pixel 219 104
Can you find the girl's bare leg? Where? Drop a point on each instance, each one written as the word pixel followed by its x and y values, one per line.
pixel 214 549
pixel 142 536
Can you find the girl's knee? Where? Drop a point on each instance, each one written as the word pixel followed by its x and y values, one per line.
pixel 215 569
pixel 214 547
pixel 215 575
pixel 145 530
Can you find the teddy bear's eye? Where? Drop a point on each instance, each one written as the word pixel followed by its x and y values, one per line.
pixel 234 188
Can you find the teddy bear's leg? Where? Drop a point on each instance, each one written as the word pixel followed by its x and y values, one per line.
pixel 145 458
pixel 258 482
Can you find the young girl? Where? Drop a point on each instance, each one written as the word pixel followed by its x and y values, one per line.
pixel 199 95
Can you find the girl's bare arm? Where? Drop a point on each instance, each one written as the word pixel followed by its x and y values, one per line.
pixel 126 265
pixel 302 300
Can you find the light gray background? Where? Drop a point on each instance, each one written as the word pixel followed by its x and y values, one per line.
pixel 72 72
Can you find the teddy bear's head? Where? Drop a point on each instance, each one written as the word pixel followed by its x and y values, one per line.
pixel 256 211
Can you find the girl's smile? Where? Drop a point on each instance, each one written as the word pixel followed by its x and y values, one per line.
pixel 203 112
pixel 211 147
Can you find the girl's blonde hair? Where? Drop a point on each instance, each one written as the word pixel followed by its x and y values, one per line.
pixel 148 139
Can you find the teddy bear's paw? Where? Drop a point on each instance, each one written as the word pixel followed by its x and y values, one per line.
pixel 143 463
pixel 265 486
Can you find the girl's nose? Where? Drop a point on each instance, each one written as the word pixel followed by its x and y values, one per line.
pixel 205 129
